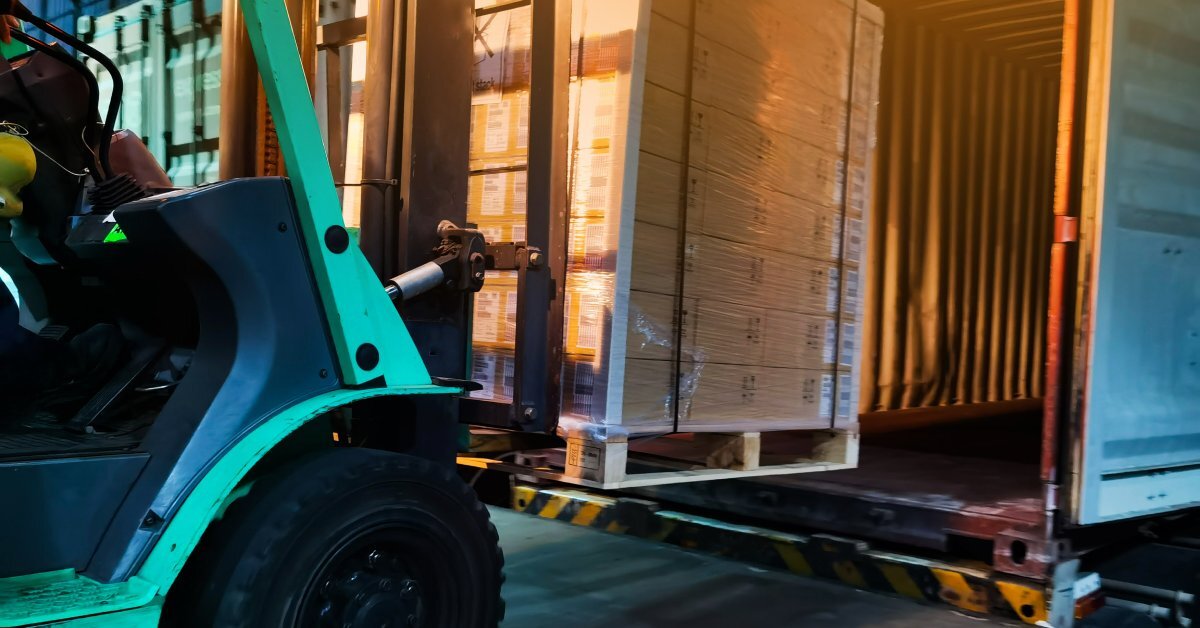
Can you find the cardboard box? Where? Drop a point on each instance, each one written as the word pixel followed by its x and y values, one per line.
pixel 754 156
pixel 501 230
pixel 496 195
pixel 495 314
pixel 721 207
pixel 715 215
pixel 667 53
pixel 494 369
pixel 500 129
pixel 771 97
pixel 721 270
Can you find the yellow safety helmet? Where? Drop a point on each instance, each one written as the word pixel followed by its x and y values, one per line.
pixel 18 164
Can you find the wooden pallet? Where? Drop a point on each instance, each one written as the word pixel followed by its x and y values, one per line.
pixel 616 463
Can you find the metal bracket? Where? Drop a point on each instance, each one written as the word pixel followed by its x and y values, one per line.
pixel 1066 229
pixel 1024 552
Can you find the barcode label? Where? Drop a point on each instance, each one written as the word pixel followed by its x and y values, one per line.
pixel 846 353
pixel 826 408
pixel 831 294
pixel 510 316
pixel 483 370
pixel 851 291
pixel 509 377
pixel 593 245
pixel 493 201
pixel 830 341
pixel 519 193
pixel 487 315
pixel 523 122
pixel 600 173
pixel 854 241
pixel 588 334
pixel 584 389
pixel 495 140
pixel 845 396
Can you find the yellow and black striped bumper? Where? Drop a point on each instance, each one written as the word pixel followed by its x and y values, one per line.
pixel 972 588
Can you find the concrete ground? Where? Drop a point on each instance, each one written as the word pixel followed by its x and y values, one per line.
pixel 564 575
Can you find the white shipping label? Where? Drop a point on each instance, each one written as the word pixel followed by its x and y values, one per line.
pixel 852 291
pixel 518 232
pixel 830 341
pixel 508 377
pixel 583 390
pixel 845 394
pixel 491 234
pixel 487 316
pixel 483 370
pixel 599 174
pixel 495 139
pixel 854 240
pixel 826 408
pixel 588 336
pixel 846 353
pixel 594 245
pixel 568 300
pixel 494 200
pixel 519 193
pixel 523 122
pixel 831 295
pixel 510 316
pixel 858 189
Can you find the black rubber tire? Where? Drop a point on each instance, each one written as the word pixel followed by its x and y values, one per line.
pixel 271 559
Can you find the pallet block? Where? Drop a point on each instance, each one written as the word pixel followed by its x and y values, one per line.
pixel 606 464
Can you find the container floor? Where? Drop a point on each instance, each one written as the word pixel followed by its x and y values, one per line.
pixel 949 488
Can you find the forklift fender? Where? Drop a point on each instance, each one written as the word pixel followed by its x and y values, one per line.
pixel 204 503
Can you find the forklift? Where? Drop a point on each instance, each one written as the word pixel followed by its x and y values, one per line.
pixel 213 410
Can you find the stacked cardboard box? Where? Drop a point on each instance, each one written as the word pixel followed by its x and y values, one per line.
pixel 720 172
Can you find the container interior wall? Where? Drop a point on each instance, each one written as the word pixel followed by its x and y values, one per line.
pixel 960 229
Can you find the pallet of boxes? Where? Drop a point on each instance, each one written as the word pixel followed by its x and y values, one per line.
pixel 719 172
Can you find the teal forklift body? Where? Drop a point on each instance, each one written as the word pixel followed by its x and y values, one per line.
pixel 370 354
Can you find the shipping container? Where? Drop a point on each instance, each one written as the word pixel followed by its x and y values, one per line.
pixel 1032 328
pixel 1029 362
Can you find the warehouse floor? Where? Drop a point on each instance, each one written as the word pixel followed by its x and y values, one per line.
pixel 560 575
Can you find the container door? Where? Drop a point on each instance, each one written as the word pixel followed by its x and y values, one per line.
pixel 1138 451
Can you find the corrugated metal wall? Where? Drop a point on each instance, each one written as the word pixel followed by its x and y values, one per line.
pixel 960 229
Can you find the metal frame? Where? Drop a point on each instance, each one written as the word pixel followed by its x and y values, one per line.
pixel 369 337
pixel 542 263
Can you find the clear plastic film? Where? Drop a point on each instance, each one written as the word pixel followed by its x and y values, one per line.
pixel 715 234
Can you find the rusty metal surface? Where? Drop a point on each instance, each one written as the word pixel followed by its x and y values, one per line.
pixel 919 499
pixel 961 226
pixel 1026 30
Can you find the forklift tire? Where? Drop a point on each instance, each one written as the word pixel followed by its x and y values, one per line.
pixel 347 537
